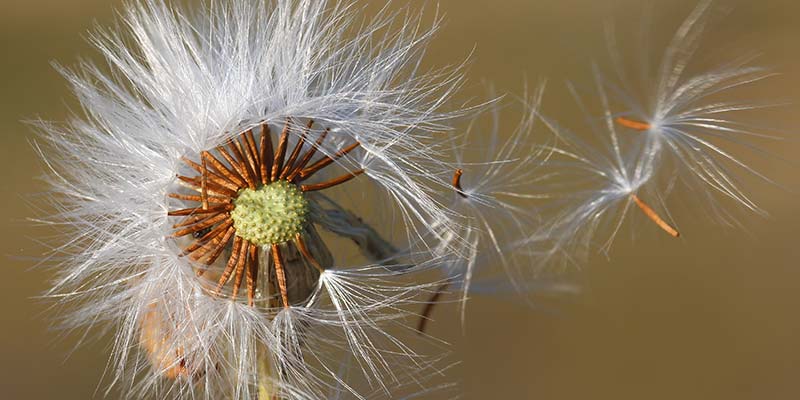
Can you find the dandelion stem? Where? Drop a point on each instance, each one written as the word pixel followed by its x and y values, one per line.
pixel 208 238
pixel 200 211
pixel 266 390
pixel 654 216
pixel 240 174
pixel 231 266
pixel 220 247
pixel 241 266
pixel 203 224
pixel 211 187
pixel 198 199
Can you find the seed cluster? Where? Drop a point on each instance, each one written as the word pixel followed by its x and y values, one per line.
pixel 252 197
pixel 272 214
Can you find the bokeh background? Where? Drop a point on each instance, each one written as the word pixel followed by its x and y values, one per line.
pixel 709 316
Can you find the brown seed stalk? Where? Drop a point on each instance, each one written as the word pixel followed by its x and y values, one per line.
pixel 650 213
pixel 280 275
pixel 632 124
pixel 457 182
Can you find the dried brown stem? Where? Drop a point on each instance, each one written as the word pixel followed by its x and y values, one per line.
pixel 307 157
pixel 241 265
pixel 201 225
pixel 287 168
pixel 280 154
pixel 301 245
pixel 211 187
pixel 219 167
pixel 198 199
pixel 331 183
pixel 240 173
pixel 204 187
pixel 192 219
pixel 229 268
pixel 236 147
pixel 209 238
pixel 266 154
pixel 200 210
pixel 217 251
pixel 280 274
pixel 324 162
pixel 252 154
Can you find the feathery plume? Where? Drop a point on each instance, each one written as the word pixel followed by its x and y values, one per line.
pixel 197 188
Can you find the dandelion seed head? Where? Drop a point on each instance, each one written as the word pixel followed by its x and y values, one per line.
pixel 261 110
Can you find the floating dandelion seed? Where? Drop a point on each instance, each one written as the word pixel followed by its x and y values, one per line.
pixel 689 119
pixel 494 186
pixel 593 188
pixel 677 127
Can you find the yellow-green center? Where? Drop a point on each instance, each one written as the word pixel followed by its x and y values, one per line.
pixel 271 214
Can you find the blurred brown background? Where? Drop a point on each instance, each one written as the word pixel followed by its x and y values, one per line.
pixel 710 316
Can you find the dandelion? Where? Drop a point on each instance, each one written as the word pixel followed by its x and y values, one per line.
pixel 688 121
pixel 199 188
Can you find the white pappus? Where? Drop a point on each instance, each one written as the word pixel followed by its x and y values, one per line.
pixel 191 186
